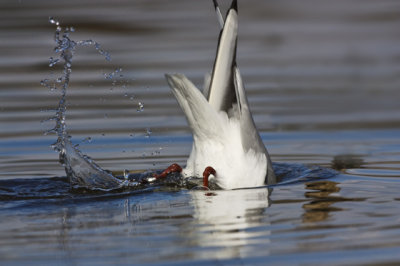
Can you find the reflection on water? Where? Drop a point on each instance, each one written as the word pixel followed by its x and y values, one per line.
pixel 321 205
pixel 345 161
pixel 223 217
pixel 322 79
pixel 334 218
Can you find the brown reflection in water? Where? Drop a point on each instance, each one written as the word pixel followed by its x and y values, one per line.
pixel 346 161
pixel 318 210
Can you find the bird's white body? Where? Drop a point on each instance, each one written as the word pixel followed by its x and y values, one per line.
pixel 223 150
pixel 224 133
pixel 225 159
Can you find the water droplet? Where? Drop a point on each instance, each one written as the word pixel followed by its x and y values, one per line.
pixel 53 61
pixel 108 76
pixel 54 21
pixel 126 174
pixel 148 132
pixel 87 139
pixel 106 55
pixel 140 107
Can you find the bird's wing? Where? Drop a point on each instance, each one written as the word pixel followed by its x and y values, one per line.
pixel 203 120
pixel 218 13
pixel 249 134
pixel 207 77
pixel 207 83
pixel 221 93
pixel 250 137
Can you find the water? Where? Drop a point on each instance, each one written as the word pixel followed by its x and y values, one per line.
pixel 322 81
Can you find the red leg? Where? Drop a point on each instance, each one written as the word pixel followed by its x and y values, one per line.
pixel 207 172
pixel 173 168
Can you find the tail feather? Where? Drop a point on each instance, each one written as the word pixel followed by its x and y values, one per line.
pixel 202 118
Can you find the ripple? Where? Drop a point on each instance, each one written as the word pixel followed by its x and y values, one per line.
pixel 374 172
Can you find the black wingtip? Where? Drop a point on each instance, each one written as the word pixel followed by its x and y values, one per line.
pixel 215 4
pixel 234 5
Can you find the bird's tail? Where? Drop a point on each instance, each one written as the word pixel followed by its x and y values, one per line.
pixel 202 118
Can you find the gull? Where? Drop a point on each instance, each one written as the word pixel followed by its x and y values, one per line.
pixel 227 147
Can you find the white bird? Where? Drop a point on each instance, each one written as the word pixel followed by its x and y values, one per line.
pixel 226 141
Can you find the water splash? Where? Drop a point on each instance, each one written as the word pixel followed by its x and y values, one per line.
pixel 81 170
